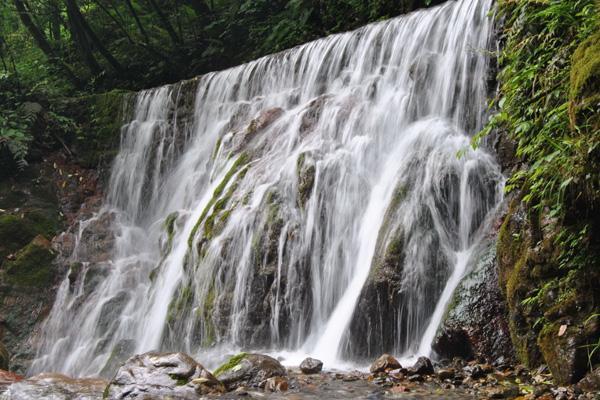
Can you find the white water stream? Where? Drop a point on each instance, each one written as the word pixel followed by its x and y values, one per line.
pixel 248 208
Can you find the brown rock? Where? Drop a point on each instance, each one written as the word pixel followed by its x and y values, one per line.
pixel 384 363
pixel 276 384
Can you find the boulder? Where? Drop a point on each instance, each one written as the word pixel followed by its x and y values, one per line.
pixel 311 366
pixel 55 387
pixel 384 363
pixel 162 375
pixel 248 370
pixel 475 324
pixel 446 374
pixel 423 366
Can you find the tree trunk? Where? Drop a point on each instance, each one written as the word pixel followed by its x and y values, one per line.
pixel 72 4
pixel 81 41
pixel 165 22
pixel 43 44
pixel 137 21
pixel 115 20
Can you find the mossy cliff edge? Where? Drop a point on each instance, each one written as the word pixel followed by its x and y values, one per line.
pixel 547 124
pixel 42 200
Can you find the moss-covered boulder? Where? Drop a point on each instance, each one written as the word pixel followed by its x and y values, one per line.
pixel 249 370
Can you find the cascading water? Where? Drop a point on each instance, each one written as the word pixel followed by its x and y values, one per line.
pixel 257 206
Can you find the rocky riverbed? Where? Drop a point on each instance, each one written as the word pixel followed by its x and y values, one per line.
pixel 178 376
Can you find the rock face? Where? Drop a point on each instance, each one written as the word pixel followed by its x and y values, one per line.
pixel 549 307
pixel 248 370
pixel 475 325
pixel 311 366
pixel 162 375
pixel 384 363
pixel 56 387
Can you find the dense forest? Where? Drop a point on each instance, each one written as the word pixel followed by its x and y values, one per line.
pixel 524 320
pixel 53 49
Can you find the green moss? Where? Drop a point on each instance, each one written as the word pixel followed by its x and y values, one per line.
pixel 182 301
pixel 32 266
pixel 179 380
pixel 15 232
pixel 209 334
pixel 237 165
pixel 306 178
pixel 585 68
pixel 105 112
pixel 217 148
pixel 229 364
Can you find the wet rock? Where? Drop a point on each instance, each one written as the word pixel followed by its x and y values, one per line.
pixel 311 366
pixel 161 375
pixel 248 370
pixel 591 382
pixel 476 372
pixel 446 374
pixel 276 384
pixel 423 366
pixel 384 363
pixel 56 387
pixel 476 324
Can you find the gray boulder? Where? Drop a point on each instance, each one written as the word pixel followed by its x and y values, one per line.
pixel 162 375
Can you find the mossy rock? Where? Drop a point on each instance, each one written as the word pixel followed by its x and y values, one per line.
pixel 15 232
pixel 306 173
pixel 32 266
pixel 563 350
pixel 229 364
pixel 18 230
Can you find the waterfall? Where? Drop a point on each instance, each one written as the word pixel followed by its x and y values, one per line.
pixel 262 206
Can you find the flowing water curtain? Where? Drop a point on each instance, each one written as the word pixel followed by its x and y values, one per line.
pixel 311 200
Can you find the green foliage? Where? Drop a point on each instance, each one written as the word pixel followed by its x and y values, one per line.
pixel 176 39
pixel 533 106
pixel 15 128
